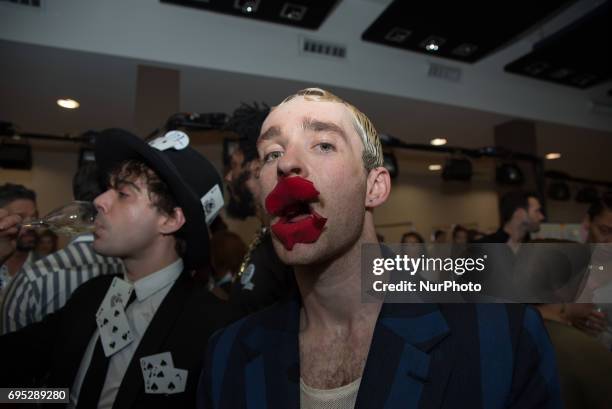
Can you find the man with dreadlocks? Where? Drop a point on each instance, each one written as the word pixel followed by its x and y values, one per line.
pixel 263 279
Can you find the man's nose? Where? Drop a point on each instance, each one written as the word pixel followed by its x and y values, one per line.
pixel 291 163
pixel 102 201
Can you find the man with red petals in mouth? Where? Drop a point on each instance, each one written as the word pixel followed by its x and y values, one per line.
pixel 321 178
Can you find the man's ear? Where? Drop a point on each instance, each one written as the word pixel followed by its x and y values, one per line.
pixel 172 222
pixel 586 224
pixel 378 187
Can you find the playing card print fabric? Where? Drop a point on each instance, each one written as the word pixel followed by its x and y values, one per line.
pixel 161 376
pixel 121 328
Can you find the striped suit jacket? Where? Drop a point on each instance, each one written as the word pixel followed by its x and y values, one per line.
pixel 430 356
pixel 43 287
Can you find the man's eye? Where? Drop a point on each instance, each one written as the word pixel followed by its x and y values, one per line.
pixel 326 147
pixel 122 194
pixel 272 156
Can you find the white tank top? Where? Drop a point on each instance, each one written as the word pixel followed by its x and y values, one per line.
pixel 343 397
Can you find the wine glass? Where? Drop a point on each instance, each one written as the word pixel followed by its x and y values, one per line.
pixel 71 219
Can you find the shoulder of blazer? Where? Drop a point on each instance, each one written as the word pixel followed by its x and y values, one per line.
pixel 277 316
pixel 93 287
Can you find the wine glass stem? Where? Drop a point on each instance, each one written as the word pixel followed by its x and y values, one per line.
pixel 33 224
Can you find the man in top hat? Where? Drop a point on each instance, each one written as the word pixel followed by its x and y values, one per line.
pixel 134 341
pixel 322 178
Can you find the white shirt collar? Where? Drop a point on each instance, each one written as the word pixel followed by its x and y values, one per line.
pixel 149 285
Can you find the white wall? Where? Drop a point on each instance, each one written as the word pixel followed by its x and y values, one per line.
pixel 50 177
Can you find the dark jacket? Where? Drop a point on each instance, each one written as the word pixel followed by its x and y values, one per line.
pixel 421 356
pixel 265 281
pixel 53 348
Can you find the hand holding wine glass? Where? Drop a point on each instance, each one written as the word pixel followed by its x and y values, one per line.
pixel 9 227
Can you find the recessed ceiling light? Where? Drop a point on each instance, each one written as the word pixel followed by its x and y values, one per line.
pixel 432 43
pixel 438 141
pixel 247 6
pixel 68 103
pixel 435 167
pixel 553 155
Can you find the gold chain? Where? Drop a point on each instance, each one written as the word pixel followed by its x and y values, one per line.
pixel 247 258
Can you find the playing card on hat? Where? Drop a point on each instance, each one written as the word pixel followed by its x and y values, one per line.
pixel 171 140
pixel 212 202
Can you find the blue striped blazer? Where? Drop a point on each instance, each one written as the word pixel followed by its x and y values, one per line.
pixel 430 356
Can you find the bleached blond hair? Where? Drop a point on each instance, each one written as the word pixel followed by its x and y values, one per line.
pixel 372 148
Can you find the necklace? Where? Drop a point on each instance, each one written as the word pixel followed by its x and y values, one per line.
pixel 247 258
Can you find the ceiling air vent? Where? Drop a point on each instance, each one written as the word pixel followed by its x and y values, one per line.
pixel 309 46
pixel 29 3
pixel 444 72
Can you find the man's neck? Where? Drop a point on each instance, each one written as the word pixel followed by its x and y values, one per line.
pixel 331 292
pixel 516 232
pixel 142 265
pixel 16 261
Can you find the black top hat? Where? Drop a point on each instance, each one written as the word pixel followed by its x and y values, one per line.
pixel 192 179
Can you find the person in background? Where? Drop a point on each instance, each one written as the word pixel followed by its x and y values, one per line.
pixel 326 348
pixel 262 278
pixel 598 221
pixel 521 214
pixel 47 243
pixel 439 247
pixel 439 237
pixel 412 237
pixel 226 251
pixel 585 366
pixel 416 244
pixel 44 286
pixel 460 235
pixel 21 201
pixel 598 224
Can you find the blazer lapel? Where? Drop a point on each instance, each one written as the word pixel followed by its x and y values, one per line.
pixel 154 338
pixel 272 372
pixel 406 366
